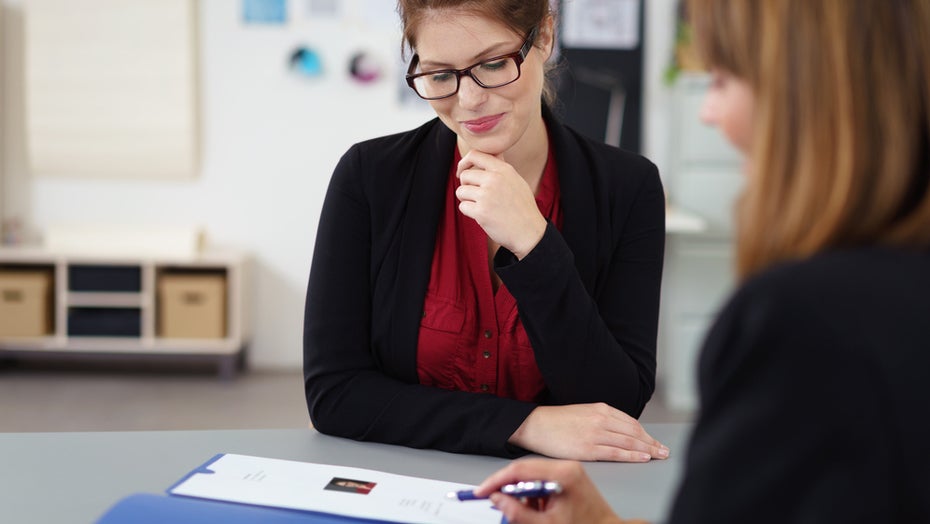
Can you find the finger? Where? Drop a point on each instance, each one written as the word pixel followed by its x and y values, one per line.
pixel 626 425
pixel 633 444
pixel 473 177
pixel 653 446
pixel 479 160
pixel 622 441
pixel 469 209
pixel 617 454
pixel 468 193
pixel 641 434
pixel 497 479
pixel 467 163
pixel 534 503
pixel 531 468
pixel 515 511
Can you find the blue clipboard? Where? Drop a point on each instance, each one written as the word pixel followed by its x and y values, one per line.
pixel 149 508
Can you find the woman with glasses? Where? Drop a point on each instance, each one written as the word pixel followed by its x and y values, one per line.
pixel 489 282
pixel 814 380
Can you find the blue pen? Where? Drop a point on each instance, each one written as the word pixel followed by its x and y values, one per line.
pixel 525 489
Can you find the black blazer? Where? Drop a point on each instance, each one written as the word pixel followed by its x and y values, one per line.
pixel 588 297
pixel 815 396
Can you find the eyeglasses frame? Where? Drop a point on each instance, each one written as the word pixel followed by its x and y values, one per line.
pixel 519 56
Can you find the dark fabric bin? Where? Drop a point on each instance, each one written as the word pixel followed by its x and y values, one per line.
pixel 105 322
pixel 105 278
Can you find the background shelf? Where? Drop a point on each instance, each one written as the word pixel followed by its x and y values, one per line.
pixel 187 306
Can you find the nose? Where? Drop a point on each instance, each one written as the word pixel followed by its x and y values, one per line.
pixel 708 111
pixel 470 94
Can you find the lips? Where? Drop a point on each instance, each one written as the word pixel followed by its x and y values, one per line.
pixel 482 125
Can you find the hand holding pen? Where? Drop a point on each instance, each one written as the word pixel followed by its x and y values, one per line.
pixel 578 500
pixel 527 489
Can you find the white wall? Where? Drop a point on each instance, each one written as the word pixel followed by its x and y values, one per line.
pixel 659 41
pixel 2 112
pixel 269 143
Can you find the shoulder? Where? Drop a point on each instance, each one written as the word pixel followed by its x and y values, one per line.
pixel 610 164
pixel 606 160
pixel 614 159
pixel 622 185
pixel 387 163
pixel 831 302
pixel 396 147
pixel 838 277
pixel 793 291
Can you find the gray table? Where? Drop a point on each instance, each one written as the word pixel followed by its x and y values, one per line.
pixel 76 477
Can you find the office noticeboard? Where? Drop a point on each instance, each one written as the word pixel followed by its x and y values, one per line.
pixel 110 87
pixel 599 84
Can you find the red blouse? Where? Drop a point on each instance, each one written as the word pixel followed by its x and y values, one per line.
pixel 471 338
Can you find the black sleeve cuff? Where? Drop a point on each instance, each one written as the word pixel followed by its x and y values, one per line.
pixel 538 266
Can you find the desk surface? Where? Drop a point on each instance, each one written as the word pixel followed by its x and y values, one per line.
pixel 76 477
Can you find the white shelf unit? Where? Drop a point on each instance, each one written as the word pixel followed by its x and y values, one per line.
pixel 703 182
pixel 227 352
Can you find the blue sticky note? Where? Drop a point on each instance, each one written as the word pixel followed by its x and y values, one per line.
pixel 264 11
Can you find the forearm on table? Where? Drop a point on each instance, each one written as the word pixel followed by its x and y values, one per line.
pixel 371 406
pixel 580 357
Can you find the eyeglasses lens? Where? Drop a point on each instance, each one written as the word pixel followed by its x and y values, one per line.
pixel 493 73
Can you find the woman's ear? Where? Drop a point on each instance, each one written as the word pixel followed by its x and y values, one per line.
pixel 546 38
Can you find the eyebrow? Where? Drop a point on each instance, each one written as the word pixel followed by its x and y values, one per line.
pixel 493 50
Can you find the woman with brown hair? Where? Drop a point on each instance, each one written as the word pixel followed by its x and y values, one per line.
pixel 814 379
pixel 489 282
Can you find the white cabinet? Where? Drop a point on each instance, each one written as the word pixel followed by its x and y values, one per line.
pixel 173 307
pixel 704 179
pixel 697 279
pixel 704 170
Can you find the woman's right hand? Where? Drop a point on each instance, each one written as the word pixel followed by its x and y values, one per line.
pixel 587 432
pixel 579 501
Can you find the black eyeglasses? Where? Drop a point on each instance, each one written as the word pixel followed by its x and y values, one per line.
pixel 493 72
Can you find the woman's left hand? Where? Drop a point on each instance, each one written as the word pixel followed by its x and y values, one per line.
pixel 593 431
pixel 500 200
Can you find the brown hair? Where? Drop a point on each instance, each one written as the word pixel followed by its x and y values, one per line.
pixel 841 136
pixel 521 16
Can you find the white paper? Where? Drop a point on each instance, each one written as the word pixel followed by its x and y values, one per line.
pixel 307 486
pixel 321 8
pixel 378 14
pixel 601 24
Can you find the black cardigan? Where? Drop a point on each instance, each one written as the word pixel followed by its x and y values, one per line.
pixel 815 396
pixel 588 297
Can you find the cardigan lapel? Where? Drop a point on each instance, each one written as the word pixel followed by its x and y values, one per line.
pixel 579 201
pixel 418 238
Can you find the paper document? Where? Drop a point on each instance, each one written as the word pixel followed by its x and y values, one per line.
pixel 338 490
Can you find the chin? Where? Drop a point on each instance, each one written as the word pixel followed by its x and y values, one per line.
pixel 495 145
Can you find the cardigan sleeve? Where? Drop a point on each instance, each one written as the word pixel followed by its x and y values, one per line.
pixel 596 345
pixel 791 429
pixel 348 392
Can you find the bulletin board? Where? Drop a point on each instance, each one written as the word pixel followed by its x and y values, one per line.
pixel 110 87
pixel 600 79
